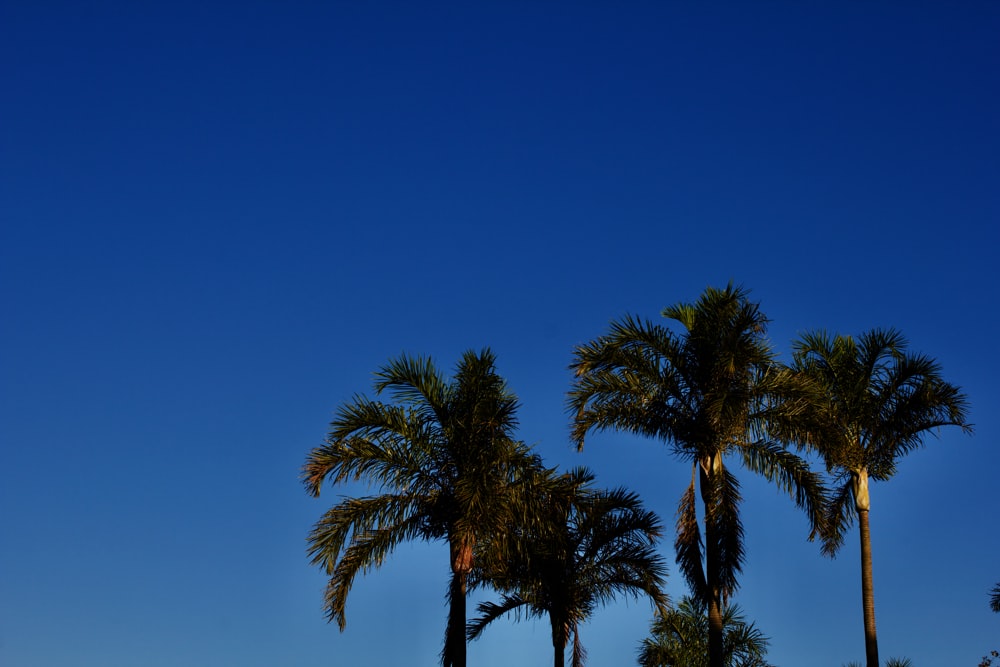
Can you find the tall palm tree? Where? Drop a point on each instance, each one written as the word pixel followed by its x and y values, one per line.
pixel 678 638
pixel 876 402
pixel 585 547
pixel 446 463
pixel 709 392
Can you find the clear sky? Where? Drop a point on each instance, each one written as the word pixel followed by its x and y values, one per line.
pixel 219 219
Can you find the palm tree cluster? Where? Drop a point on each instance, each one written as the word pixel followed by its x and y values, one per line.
pixel 447 466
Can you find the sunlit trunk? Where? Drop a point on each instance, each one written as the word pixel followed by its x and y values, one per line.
pixel 862 504
pixel 868 591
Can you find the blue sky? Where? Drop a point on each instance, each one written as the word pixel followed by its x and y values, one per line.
pixel 219 219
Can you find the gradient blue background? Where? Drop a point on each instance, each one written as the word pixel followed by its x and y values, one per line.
pixel 218 219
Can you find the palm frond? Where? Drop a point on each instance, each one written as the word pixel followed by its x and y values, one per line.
pixel 491 611
pixel 370 440
pixel 579 657
pixel 355 520
pixel 792 475
pixel 416 384
pixel 722 521
pixel 624 377
pixel 688 543
pixel 356 536
pixel 680 638
pixel 840 514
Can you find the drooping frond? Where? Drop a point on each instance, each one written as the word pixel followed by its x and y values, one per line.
pixel 356 535
pixel 688 543
pixel 491 611
pixel 579 657
pixel 369 440
pixel 792 475
pixel 912 401
pixel 722 521
pixel 631 379
pixel 840 515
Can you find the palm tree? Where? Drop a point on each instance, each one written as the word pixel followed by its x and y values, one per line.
pixel 995 598
pixel 585 547
pixel 709 392
pixel 876 402
pixel 678 638
pixel 447 466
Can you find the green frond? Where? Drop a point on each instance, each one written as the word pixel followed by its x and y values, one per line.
pixel 790 474
pixel 356 536
pixel 370 440
pixel 621 376
pixel 840 513
pixel 357 520
pixel 679 638
pixel 688 544
pixel 416 384
pixel 724 526
pixel 491 611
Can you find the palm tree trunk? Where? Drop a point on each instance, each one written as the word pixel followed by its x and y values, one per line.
pixel 461 564
pixel 862 503
pixel 454 650
pixel 710 467
pixel 715 642
pixel 868 591
pixel 559 637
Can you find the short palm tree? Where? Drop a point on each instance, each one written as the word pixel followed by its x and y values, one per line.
pixel 583 548
pixel 679 638
pixel 446 463
pixel 875 403
pixel 709 392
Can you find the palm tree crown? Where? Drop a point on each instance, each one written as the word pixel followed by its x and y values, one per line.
pixel 584 547
pixel 678 638
pixel 874 402
pixel 709 392
pixel 446 463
